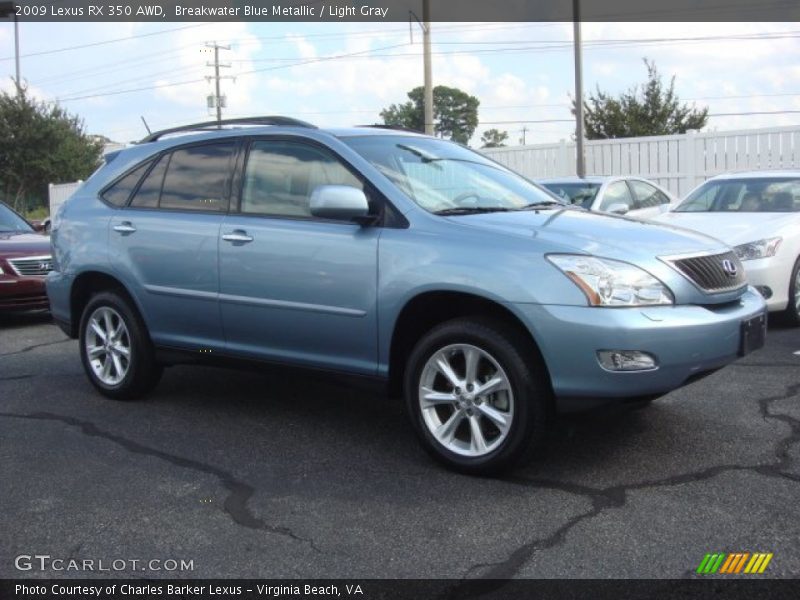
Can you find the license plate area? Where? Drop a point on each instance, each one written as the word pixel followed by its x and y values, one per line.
pixel 754 333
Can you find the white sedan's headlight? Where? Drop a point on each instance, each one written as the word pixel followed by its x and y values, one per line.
pixel 608 282
pixel 760 249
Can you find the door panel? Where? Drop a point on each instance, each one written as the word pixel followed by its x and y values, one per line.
pixel 171 263
pixel 300 291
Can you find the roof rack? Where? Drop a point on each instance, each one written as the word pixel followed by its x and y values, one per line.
pixel 392 127
pixel 211 125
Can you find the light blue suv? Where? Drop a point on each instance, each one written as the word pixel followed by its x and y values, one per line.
pixel 393 256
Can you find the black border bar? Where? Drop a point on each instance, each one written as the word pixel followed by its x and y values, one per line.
pixel 404 10
pixel 700 587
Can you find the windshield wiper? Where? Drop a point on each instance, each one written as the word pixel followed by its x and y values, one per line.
pixel 471 210
pixel 543 204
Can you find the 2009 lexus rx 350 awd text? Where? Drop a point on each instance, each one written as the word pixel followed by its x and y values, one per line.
pixel 394 256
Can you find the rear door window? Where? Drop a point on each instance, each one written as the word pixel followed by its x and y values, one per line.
pixel 149 191
pixel 617 193
pixel 198 177
pixel 647 196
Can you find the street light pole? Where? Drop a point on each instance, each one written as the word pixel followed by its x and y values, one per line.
pixel 426 38
pixel 580 166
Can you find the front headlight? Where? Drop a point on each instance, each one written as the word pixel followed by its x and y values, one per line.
pixel 608 282
pixel 760 249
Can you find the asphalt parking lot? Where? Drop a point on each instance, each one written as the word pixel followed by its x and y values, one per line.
pixel 273 475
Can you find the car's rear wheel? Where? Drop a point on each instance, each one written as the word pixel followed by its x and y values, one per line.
pixel 477 396
pixel 116 351
pixel 792 312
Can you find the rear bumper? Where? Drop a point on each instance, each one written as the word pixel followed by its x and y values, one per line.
pixel 687 342
pixel 22 293
pixel 58 291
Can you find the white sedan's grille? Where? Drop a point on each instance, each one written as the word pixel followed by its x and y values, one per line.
pixel 31 266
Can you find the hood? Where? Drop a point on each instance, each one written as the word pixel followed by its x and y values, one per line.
pixel 16 243
pixel 733 228
pixel 580 231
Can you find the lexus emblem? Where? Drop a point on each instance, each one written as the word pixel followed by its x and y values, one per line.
pixel 730 268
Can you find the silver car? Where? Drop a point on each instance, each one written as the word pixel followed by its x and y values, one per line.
pixel 622 195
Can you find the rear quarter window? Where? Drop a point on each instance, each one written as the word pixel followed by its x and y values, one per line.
pixel 118 193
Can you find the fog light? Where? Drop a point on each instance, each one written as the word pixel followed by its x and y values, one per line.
pixel 626 360
pixel 765 291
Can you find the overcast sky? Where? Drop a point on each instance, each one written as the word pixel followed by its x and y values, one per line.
pixel 518 71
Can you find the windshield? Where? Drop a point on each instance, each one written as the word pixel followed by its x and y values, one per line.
pixel 773 194
pixel 581 193
pixel 11 221
pixel 443 177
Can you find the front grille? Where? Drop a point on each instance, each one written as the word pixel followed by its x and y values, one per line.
pixel 32 266
pixel 716 273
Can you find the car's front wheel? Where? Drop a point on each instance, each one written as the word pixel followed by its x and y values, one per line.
pixel 793 309
pixel 115 348
pixel 477 395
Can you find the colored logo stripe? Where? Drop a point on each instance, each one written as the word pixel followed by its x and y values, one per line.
pixel 734 563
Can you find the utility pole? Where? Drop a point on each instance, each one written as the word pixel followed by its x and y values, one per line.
pixel 524 134
pixel 580 166
pixel 218 98
pixel 426 38
pixel 18 81
pixel 8 9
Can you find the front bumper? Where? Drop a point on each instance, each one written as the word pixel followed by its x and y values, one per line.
pixel 22 293
pixel 687 341
pixel 774 273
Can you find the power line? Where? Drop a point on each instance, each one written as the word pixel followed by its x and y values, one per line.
pixel 105 42
pixel 190 81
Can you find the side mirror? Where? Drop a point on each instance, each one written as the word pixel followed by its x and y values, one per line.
pixel 618 208
pixel 38 226
pixel 340 202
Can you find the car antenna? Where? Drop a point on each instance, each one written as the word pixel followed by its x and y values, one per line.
pixel 145 124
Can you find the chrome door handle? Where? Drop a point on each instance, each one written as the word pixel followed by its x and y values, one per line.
pixel 125 227
pixel 237 236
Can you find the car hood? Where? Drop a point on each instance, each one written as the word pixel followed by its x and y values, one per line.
pixel 732 228
pixel 15 243
pixel 611 236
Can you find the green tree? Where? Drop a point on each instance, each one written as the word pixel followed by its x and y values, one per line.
pixel 455 113
pixel 40 143
pixel 648 109
pixel 494 138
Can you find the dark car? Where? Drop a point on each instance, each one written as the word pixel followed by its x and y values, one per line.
pixel 24 261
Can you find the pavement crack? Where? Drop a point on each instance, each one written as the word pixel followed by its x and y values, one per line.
pixel 16 377
pixel 34 346
pixel 773 365
pixel 602 499
pixel 239 495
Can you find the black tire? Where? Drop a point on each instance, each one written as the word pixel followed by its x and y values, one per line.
pixel 792 313
pixel 143 372
pixel 527 378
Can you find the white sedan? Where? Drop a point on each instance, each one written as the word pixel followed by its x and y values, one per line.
pixel 623 195
pixel 758 214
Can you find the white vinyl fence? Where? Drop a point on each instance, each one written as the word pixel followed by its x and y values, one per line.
pixel 677 162
pixel 58 192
